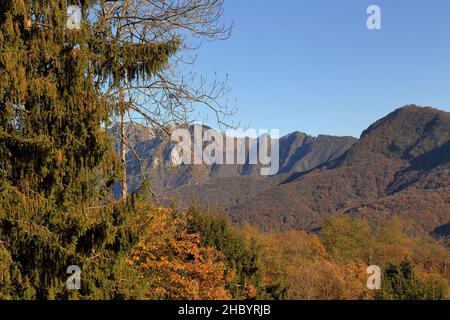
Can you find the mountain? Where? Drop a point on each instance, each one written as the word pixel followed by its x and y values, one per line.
pixel 152 155
pixel 399 167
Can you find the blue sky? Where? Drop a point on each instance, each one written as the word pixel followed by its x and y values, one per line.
pixel 313 66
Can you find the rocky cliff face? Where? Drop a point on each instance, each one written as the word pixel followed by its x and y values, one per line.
pixel 400 166
pixel 151 155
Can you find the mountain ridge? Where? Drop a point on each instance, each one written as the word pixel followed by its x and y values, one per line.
pixel 399 166
pixel 367 174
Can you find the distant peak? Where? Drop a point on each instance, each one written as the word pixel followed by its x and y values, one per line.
pixel 295 133
pixel 404 114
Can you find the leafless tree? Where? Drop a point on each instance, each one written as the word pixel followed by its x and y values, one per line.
pixel 172 95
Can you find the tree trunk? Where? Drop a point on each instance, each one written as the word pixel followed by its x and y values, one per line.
pixel 123 146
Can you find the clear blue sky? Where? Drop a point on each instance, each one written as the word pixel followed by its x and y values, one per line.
pixel 313 66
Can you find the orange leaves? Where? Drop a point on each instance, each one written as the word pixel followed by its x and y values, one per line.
pixel 302 261
pixel 75 53
pixel 59 156
pixel 27 23
pixel 249 291
pixel 174 264
pixel 296 264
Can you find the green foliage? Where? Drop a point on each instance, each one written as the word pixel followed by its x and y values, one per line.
pixel 277 291
pixel 347 239
pixel 57 164
pixel 40 242
pixel 400 282
pixel 242 255
pixel 57 167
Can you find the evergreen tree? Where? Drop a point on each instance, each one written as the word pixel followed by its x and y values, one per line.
pixel 57 165
pixel 242 257
pixel 401 283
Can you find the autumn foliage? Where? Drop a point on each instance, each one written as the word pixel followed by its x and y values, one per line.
pixel 200 255
pixel 58 168
pixel 332 264
pixel 175 266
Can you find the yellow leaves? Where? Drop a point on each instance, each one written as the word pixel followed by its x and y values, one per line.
pixel 339 270
pixel 9 26
pixel 317 246
pixel 302 261
pixel 18 82
pixel 44 87
pixel 27 23
pixel 175 265
pixel 355 275
pixel 19 7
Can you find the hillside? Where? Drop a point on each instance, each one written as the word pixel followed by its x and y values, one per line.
pixel 400 166
pixel 151 155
